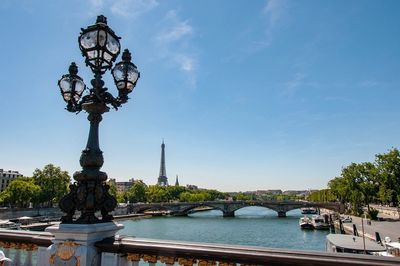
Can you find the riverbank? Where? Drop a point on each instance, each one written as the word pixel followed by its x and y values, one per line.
pixel 132 216
pixel 389 229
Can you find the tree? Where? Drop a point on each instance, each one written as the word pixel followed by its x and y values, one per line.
pixel 113 188
pixel 388 165
pixel 137 193
pixel 362 178
pixel 175 191
pixel 340 188
pixel 323 195
pixel 21 192
pixel 53 183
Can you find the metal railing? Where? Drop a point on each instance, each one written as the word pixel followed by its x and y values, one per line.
pixel 22 247
pixel 132 251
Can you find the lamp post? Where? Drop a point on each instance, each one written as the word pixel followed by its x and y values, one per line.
pixel 100 46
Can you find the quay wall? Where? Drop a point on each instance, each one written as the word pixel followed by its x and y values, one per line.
pixel 12 213
pixel 388 212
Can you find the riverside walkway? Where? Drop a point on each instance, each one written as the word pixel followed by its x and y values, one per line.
pixel 389 229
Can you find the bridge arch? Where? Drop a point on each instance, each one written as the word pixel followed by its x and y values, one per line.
pixel 151 208
pixel 228 208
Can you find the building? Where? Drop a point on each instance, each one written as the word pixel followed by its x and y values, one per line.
pixel 162 178
pixel 177 181
pixel 123 186
pixel 193 187
pixel 6 177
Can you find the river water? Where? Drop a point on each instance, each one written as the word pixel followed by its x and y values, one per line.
pixel 255 226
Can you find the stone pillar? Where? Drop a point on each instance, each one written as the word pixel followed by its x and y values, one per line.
pixel 229 213
pixel 73 244
pixel 281 214
pixel 180 214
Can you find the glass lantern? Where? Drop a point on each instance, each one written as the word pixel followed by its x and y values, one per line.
pixel 71 85
pixel 125 74
pixel 99 45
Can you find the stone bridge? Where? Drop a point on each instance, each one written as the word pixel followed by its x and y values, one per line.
pixel 228 208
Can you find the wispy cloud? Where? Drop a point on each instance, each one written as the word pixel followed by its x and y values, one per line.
pixel 269 20
pixel 122 8
pixel 293 85
pixel 96 4
pixel 186 63
pixel 132 8
pixel 368 83
pixel 273 12
pixel 173 41
pixel 179 31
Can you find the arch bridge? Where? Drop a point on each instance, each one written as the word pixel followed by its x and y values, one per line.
pixel 228 208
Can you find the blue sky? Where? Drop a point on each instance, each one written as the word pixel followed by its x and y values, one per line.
pixel 247 94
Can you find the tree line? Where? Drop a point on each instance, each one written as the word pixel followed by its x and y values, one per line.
pixel 361 184
pixel 140 192
pixel 44 188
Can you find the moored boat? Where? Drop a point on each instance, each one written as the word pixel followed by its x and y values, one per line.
pixel 305 223
pixel 308 210
pixel 6 224
pixel 392 249
pixel 320 222
pixel 351 244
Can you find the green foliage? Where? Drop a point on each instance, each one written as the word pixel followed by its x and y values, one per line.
pixel 122 197
pixel 373 214
pixel 323 195
pixel 112 188
pixel 388 166
pixel 138 192
pixel 53 182
pixel 243 196
pixel 369 182
pixel 20 192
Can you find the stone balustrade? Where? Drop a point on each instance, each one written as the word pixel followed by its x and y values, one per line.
pixel 23 246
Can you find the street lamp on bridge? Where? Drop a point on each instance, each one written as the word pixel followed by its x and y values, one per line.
pixel 100 46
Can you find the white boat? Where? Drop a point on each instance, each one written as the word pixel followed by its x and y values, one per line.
pixel 392 249
pixel 319 222
pixel 308 211
pixel 305 223
pixel 351 244
pixel 6 224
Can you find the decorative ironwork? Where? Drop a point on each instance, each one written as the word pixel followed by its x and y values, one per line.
pixel 100 46
pixel 133 257
pixel 150 258
pixel 206 263
pixel 65 254
pixel 18 245
pixel 226 264
pixel 167 260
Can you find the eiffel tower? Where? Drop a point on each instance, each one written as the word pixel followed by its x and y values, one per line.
pixel 162 178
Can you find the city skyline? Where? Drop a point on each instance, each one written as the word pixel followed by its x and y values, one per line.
pixel 248 95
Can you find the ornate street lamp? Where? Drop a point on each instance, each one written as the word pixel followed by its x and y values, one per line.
pixel 100 46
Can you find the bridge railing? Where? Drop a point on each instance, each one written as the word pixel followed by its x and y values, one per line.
pixel 139 251
pixel 22 247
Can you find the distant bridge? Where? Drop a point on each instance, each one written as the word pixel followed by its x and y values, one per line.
pixel 228 208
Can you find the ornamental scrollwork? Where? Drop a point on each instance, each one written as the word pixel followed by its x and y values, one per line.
pixel 206 263
pixel 150 258
pixel 186 261
pixel 133 257
pixel 167 260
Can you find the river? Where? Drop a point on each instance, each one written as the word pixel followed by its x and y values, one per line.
pixel 255 226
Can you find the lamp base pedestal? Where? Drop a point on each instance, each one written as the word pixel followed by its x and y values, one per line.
pixel 73 244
